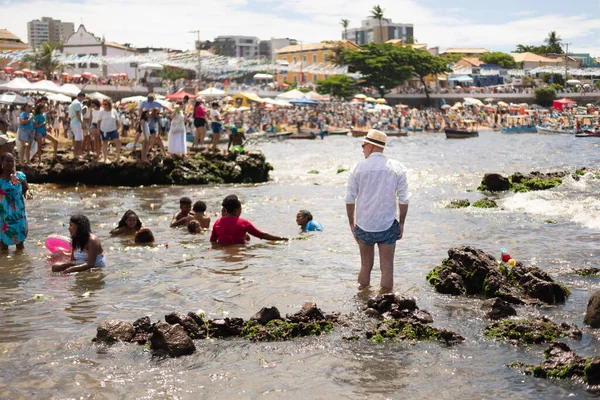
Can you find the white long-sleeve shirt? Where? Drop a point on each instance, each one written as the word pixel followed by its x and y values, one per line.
pixel 374 185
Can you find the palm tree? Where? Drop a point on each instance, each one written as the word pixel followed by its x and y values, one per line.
pixel 345 23
pixel 377 13
pixel 553 41
pixel 44 59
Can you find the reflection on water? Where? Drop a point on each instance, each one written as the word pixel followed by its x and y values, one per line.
pixel 47 321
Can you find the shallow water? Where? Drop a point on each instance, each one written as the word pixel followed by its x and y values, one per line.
pixel 45 343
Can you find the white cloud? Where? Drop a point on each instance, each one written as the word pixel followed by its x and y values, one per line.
pixel 167 24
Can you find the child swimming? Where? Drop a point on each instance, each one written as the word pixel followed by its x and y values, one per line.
pixel 305 219
pixel 181 218
pixel 129 224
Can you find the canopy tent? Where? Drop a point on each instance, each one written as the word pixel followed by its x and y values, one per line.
pixel 573 82
pixel 47 86
pixel 212 92
pixel 461 79
pixel 312 95
pixel 293 94
pixel 12 98
pixel 262 76
pixel 563 103
pixel 304 101
pixel 179 95
pixel 18 84
pixel 244 99
pixel 151 67
pixel 98 96
pixel 469 101
pixel 383 107
pixel 133 99
pixel 69 89
pixel 446 106
pixel 275 102
pixel 61 98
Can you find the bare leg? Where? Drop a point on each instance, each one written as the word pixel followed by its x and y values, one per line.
pixel 77 148
pixel 54 144
pixel 27 151
pixel 197 137
pixel 367 259
pixel 135 142
pixel 202 134
pixel 21 246
pixel 22 151
pixel 215 137
pixel 40 144
pixel 118 149
pixel 145 146
pixel 105 149
pixel 386 263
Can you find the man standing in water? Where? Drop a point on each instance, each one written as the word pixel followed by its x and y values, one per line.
pixel 373 187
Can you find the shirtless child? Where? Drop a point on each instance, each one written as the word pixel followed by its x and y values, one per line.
pixel 198 221
pixel 181 218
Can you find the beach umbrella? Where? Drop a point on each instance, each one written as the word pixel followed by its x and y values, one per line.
pixel 76 76
pixel 262 76
pixel 502 104
pixel 59 97
pixel 243 108
pixel 360 96
pixel 86 74
pixel 212 92
pixel 26 71
pixel 381 101
pixel 69 89
pixel 18 84
pixel 123 75
pixel 383 107
pixel 446 106
pixel 98 96
pixel 573 82
pixel 12 98
pixel 370 100
pixel 19 73
pixel 133 99
pixel 489 100
pixel 304 101
pixel 151 67
pixel 65 75
pixel 472 101
pixel 8 69
pixel 47 86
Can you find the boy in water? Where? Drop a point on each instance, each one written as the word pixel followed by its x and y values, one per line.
pixel 181 218
pixel 305 219
pixel 199 210
pixel 231 229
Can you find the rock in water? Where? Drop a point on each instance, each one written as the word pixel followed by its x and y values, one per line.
pixel 494 183
pixel 592 314
pixel 266 314
pixel 498 309
pixel 113 331
pixel 171 340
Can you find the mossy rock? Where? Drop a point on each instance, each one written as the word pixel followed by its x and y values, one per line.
pixel 587 271
pixel 279 330
pixel 485 203
pixel 520 183
pixel 530 331
pixel 411 330
pixel 459 203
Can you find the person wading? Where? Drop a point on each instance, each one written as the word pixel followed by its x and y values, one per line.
pixel 374 185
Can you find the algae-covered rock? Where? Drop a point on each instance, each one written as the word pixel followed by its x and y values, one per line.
pixel 494 183
pixel 562 363
pixel 471 271
pixel 485 203
pixel 592 313
pixel 518 182
pixel 113 331
pixel 460 203
pixel 497 308
pixel 536 330
pixel 587 271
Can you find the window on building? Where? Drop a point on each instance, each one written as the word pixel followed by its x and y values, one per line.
pixel 315 78
pixel 326 58
pixel 303 58
pixel 93 64
pixel 295 78
pixel 81 65
pixel 314 59
pixel 294 59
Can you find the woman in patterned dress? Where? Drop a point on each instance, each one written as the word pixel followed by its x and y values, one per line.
pixel 13 219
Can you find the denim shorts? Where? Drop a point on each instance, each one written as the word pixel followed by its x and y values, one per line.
pixel 216 127
pixel 40 134
pixel 112 135
pixel 25 134
pixel 389 236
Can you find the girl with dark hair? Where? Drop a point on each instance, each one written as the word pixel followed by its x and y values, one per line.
pixel 13 219
pixel 199 122
pixel 87 250
pixel 129 224
pixel 41 130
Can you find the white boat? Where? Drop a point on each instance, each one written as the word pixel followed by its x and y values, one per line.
pixel 555 129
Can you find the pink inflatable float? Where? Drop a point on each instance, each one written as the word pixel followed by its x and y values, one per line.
pixel 58 243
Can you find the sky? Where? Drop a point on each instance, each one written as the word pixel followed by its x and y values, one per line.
pixel 495 25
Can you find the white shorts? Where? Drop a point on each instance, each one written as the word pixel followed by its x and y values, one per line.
pixel 77 132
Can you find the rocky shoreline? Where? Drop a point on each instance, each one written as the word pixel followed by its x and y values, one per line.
pixel 201 168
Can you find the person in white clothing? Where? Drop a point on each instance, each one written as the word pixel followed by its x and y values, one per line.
pixel 77 124
pixel 177 132
pixel 216 124
pixel 375 186
pixel 109 124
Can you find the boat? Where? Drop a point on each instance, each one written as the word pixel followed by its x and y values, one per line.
pixel 555 129
pixel 357 132
pixel 468 131
pixel 339 132
pixel 588 134
pixel 308 135
pixel 400 132
pixel 309 131
pixel 520 124
pixel 278 135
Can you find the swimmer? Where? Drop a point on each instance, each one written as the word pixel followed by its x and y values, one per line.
pixel 181 218
pixel 194 226
pixel 86 250
pixel 144 236
pixel 128 225
pixel 231 229
pixel 305 219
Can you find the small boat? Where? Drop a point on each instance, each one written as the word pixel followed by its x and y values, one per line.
pixel 309 135
pixel 588 134
pixel 308 131
pixel 415 129
pixel 520 124
pixel 400 132
pixel 555 129
pixel 339 132
pixel 278 135
pixel 467 132
pixel 357 132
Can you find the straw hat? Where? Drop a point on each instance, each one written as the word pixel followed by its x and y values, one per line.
pixel 376 138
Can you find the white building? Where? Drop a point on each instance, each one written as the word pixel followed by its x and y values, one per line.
pixel 84 43
pixel 236 46
pixel 267 48
pixel 48 30
pixel 370 28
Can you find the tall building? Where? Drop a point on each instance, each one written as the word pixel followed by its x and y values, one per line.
pixel 371 31
pixel 267 48
pixel 236 46
pixel 48 30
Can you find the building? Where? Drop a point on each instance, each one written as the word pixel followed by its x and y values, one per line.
pixel 465 51
pixel 267 48
pixel 9 42
pixel 372 31
pixel 48 30
pixel 468 62
pixel 585 59
pixel 308 56
pixel 236 46
pixel 84 43
pixel 531 60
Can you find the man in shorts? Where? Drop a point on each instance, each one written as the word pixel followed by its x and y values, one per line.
pixel 77 124
pixel 374 185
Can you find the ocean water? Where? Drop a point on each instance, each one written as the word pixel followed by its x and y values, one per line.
pixel 47 320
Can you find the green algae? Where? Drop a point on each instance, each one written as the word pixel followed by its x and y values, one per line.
pixel 461 203
pixel 485 203
pixel 280 330
pixel 433 277
pixel 534 183
pixel 526 331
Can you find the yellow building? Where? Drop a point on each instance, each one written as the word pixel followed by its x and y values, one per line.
pixel 9 42
pixel 308 55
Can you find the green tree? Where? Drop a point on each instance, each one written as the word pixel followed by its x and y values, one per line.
pixel 345 23
pixel 383 66
pixel 172 73
pixel 553 42
pixel 545 95
pixel 423 64
pixel 45 60
pixel 410 40
pixel 377 13
pixel 541 50
pixel 502 59
pixel 452 58
pixel 337 85
pixel 553 78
